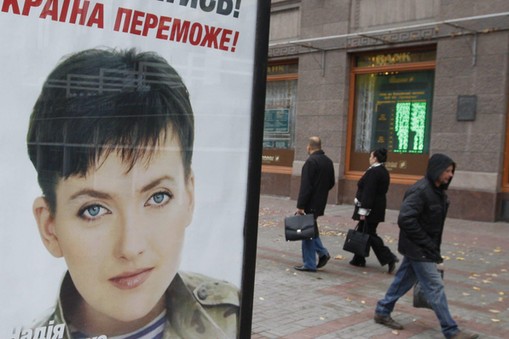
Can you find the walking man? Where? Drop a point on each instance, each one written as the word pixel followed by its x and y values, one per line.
pixel 317 179
pixel 421 222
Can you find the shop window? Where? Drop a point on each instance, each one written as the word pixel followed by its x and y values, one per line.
pixel 279 125
pixel 393 95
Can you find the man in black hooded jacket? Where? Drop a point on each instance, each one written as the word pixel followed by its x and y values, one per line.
pixel 421 222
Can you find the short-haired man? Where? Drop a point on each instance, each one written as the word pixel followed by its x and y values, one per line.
pixel 317 179
pixel 421 221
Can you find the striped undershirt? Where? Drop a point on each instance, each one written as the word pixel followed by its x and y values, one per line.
pixel 153 330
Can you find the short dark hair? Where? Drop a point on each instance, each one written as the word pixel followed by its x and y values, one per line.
pixel 380 154
pixel 100 101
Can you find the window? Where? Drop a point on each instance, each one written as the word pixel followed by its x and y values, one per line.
pixel 278 131
pixel 279 125
pixel 392 103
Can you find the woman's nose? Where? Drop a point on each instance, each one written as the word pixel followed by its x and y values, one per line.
pixel 131 240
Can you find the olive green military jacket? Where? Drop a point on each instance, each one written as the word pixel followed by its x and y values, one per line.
pixel 197 307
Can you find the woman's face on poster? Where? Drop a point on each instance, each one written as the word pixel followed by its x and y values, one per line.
pixel 121 231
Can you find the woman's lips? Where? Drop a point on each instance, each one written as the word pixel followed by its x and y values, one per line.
pixel 131 280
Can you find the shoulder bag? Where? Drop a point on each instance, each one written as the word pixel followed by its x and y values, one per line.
pixel 419 299
pixel 357 241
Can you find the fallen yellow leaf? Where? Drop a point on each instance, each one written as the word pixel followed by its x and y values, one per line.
pixel 495 320
pixel 476 288
pixel 494 311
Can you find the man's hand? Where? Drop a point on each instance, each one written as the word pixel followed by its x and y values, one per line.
pixel 432 252
pixel 300 211
pixel 363 212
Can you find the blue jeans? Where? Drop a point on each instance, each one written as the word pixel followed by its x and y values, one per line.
pixel 310 248
pixel 432 286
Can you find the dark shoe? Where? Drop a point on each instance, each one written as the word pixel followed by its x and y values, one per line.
pixel 465 335
pixel 386 320
pixel 322 261
pixel 358 264
pixel 392 265
pixel 303 269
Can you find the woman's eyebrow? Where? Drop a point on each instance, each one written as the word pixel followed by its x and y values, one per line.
pixel 156 182
pixel 91 193
pixel 102 195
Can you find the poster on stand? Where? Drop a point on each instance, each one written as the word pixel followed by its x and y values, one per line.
pixel 130 166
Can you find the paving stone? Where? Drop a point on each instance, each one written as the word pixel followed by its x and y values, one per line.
pixel 338 300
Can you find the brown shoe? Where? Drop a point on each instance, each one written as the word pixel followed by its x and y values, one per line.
pixel 386 320
pixel 465 335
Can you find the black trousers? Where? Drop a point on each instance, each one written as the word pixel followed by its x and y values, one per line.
pixel 382 252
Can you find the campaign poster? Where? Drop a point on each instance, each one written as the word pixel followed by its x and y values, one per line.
pixel 129 144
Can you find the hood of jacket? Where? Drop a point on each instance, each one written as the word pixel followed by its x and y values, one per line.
pixel 437 164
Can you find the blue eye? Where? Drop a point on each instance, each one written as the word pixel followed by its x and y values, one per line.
pixel 92 212
pixel 159 199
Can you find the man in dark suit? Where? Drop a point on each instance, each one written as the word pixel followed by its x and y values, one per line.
pixel 317 179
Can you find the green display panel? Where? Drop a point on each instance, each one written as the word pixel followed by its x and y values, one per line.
pixel 410 127
pixel 402 112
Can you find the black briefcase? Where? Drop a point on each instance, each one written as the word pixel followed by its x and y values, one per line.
pixel 300 227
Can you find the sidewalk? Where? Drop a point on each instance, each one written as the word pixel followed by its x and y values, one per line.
pixel 338 301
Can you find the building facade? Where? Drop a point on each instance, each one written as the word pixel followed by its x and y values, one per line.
pixel 417 77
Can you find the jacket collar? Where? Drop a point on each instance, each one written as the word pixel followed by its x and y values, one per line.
pixel 187 318
pixel 318 152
